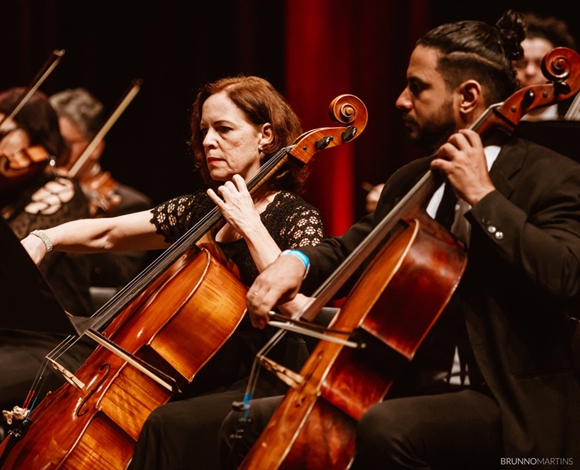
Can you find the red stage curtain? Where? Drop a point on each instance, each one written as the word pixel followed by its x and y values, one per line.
pixel 359 47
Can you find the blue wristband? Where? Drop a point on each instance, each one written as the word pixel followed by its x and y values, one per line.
pixel 301 256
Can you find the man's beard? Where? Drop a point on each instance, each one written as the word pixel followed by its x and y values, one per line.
pixel 436 131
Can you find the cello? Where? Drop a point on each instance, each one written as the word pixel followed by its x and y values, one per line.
pixel 388 313
pixel 145 354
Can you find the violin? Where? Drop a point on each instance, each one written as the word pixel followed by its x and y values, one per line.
pixel 17 168
pixel 19 163
pixel 22 166
pixel 159 330
pixel 101 191
pixel 388 313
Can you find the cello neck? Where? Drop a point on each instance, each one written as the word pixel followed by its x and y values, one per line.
pixel 345 109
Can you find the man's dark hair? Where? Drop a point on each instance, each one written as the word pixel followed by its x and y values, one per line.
pixel 478 51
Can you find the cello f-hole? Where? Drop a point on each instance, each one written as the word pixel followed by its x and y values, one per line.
pixel 94 390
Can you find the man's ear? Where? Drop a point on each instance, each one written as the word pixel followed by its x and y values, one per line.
pixel 471 97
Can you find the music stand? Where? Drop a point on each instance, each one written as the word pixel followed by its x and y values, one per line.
pixel 26 301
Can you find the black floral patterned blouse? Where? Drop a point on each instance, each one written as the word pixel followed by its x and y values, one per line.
pixel 290 220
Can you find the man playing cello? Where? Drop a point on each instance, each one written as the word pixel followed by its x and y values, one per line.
pixel 516 396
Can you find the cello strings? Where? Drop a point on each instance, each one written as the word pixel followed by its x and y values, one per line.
pixel 40 378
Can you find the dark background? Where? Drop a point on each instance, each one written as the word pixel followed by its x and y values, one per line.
pixel 311 50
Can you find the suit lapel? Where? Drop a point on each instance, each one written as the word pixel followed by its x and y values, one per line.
pixel 508 163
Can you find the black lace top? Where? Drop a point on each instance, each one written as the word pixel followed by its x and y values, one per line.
pixel 288 218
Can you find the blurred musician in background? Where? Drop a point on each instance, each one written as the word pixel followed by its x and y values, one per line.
pixel 542 35
pixel 81 116
pixel 45 198
pixel 40 199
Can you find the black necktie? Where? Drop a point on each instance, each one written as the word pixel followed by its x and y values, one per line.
pixel 446 211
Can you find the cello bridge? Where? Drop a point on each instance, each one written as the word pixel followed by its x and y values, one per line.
pixel 289 377
pixel 68 375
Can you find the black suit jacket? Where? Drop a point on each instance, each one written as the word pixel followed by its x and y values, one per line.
pixel 519 288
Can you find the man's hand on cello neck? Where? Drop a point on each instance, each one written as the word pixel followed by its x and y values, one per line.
pixel 278 283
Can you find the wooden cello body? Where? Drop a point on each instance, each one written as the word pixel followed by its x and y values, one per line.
pixel 159 331
pixel 391 309
pixel 115 399
pixel 388 313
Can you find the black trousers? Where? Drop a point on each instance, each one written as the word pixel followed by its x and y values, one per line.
pixel 447 431
pixel 183 434
pixel 21 358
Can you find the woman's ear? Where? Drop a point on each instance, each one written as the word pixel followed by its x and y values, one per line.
pixel 266 134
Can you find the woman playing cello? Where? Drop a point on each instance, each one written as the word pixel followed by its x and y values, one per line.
pixel 237 125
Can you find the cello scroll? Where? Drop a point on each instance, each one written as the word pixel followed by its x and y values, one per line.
pixel 562 67
pixel 344 109
pixel 558 65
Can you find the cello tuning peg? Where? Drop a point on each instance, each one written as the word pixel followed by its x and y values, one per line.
pixel 323 143
pixel 528 99
pixel 349 134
